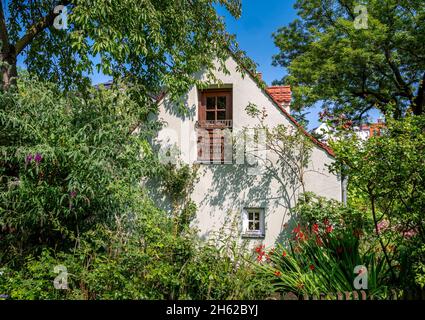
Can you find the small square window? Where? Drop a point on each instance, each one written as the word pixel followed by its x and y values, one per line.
pixel 253 221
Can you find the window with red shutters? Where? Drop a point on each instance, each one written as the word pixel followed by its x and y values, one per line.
pixel 215 126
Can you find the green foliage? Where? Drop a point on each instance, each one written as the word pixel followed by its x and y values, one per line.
pixel 311 270
pixel 67 163
pixel 177 183
pixel 78 201
pixel 351 69
pixel 386 173
pixel 419 266
pixel 139 259
pixel 155 44
pixel 325 247
pixel 313 209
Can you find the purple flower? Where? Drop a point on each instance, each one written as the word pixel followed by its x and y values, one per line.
pixel 38 157
pixel 409 233
pixel 73 194
pixel 382 225
pixel 29 158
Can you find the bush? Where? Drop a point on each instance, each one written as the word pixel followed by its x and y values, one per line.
pixel 386 173
pixel 148 263
pixel 325 248
pixel 68 162
pixel 71 196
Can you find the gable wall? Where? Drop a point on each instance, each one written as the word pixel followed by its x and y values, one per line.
pixel 223 190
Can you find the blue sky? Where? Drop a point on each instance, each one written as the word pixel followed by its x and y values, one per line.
pixel 254 31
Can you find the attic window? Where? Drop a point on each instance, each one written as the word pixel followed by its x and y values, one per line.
pixel 215 109
pixel 214 126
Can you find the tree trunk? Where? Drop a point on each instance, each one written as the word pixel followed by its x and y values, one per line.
pixel 419 103
pixel 8 69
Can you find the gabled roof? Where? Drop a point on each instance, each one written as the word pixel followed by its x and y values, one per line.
pixel 321 145
pixel 277 94
pixel 282 93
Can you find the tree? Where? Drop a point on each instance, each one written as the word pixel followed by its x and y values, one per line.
pixel 153 43
pixel 68 164
pixel 355 58
pixel 386 173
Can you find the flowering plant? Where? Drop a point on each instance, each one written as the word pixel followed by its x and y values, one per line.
pixel 320 256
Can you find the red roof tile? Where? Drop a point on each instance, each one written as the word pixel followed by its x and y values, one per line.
pixel 282 94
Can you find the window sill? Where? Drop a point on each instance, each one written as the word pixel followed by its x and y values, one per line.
pixel 212 162
pixel 253 235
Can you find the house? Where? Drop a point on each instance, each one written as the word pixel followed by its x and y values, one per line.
pixel 257 197
pixel 363 132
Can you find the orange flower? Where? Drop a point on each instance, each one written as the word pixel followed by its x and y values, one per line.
pixel 300 285
pixel 277 273
pixel 297 229
pixel 319 241
pixel 259 249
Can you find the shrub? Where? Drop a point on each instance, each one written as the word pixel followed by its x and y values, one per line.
pixel 71 168
pixel 68 162
pixel 386 173
pixel 148 263
pixel 321 255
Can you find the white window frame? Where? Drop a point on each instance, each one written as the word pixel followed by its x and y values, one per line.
pixel 260 233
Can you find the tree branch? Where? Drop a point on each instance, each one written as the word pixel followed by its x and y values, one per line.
pixel 38 27
pixel 348 9
pixel 365 93
pixel 399 81
pixel 419 102
pixel 384 249
pixel 4 38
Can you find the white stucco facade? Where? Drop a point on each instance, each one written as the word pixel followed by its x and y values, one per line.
pixel 224 190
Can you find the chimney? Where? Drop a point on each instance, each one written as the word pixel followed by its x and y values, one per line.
pixel 282 95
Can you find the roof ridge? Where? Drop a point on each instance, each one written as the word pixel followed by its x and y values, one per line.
pixel 283 85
